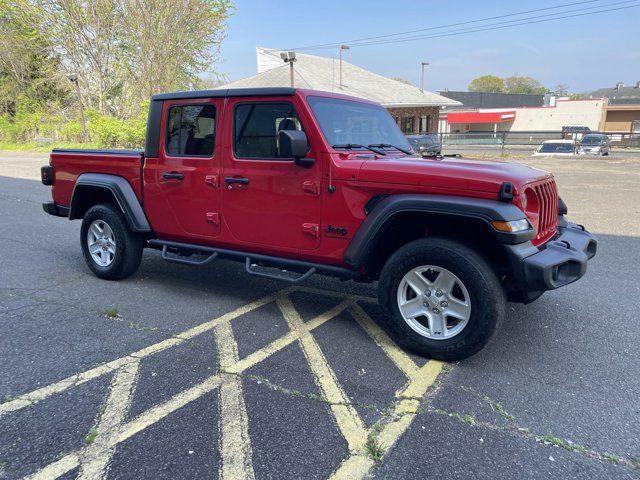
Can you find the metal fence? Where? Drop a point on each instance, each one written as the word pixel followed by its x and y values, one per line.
pixel 525 141
pixel 529 138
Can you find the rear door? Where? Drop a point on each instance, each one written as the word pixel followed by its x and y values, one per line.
pixel 268 200
pixel 185 202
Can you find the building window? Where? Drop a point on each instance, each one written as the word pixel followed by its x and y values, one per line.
pixel 408 124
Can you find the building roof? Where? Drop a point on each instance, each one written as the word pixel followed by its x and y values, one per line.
pixel 494 100
pixel 619 95
pixel 320 73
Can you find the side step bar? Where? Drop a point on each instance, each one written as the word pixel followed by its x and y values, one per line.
pixel 185 260
pixel 252 261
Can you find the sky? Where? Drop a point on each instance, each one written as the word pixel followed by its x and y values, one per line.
pixel 585 53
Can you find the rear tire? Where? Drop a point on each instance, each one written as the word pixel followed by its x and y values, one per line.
pixel 112 251
pixel 469 308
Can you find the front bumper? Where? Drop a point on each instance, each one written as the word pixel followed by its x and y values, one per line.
pixel 562 260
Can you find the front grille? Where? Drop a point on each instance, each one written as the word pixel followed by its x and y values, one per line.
pixel 547 194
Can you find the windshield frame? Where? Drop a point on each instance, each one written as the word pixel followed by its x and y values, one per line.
pixel 400 140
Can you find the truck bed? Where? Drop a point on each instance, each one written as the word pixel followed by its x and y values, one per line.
pixel 68 164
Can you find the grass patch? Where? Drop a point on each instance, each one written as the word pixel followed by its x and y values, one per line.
pixel 500 409
pixel 91 436
pixel 140 328
pixel 635 461
pixel 373 446
pixel 111 313
pixel 610 457
pixel 559 442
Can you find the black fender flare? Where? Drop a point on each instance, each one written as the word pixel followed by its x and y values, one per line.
pixel 121 191
pixel 385 209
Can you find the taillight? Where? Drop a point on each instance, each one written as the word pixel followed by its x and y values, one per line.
pixel 46 175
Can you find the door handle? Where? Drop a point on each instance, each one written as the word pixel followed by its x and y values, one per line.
pixel 241 180
pixel 172 176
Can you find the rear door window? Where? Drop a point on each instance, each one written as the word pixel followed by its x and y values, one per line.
pixel 191 130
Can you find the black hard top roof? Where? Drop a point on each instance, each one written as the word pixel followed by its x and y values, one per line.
pixel 227 92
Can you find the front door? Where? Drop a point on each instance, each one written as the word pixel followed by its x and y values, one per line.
pixel 186 175
pixel 268 200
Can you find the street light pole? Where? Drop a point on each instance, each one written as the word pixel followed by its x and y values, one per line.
pixel 73 78
pixel 422 64
pixel 290 58
pixel 342 47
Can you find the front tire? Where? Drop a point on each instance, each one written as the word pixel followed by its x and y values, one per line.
pixel 112 251
pixel 442 299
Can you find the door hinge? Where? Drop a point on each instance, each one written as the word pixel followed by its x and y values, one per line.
pixel 311 186
pixel 211 180
pixel 312 229
pixel 213 217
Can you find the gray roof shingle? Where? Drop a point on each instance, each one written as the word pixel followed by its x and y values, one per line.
pixel 320 73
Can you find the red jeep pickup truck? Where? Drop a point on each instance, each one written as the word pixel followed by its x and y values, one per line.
pixel 295 182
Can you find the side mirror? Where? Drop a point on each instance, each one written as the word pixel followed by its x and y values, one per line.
pixel 294 144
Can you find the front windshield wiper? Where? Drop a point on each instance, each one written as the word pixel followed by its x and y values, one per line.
pixel 388 145
pixel 351 146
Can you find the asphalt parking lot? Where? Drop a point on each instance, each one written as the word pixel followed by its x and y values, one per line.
pixel 186 372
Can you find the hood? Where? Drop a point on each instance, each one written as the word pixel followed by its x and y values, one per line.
pixel 449 172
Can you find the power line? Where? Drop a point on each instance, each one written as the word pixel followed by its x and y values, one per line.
pixel 364 40
pixel 484 29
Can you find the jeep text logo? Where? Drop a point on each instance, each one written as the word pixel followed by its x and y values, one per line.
pixel 331 230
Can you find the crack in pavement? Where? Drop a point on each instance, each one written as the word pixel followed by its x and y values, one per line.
pixel 514 428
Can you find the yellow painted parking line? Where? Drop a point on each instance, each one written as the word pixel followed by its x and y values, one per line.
pixel 395 353
pixel 277 345
pixel 95 458
pixel 57 468
pixel 347 418
pixel 235 444
pixel 40 394
pixel 356 466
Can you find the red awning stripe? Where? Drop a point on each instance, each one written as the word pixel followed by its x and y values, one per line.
pixel 481 117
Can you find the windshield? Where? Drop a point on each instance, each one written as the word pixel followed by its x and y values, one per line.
pixel 556 148
pixel 346 122
pixel 592 141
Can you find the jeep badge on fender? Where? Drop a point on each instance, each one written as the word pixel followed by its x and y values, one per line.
pixel 339 231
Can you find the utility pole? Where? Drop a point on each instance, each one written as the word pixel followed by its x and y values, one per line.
pixel 73 78
pixel 290 58
pixel 342 47
pixel 422 64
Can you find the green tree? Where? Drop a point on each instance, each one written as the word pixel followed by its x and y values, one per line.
pixel 487 83
pixel 523 84
pixel 29 77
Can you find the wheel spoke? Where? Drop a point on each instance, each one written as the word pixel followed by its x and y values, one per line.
pixel 412 308
pixel 417 282
pixel 96 230
pixel 445 281
pixel 458 309
pixel 95 248
pixel 438 326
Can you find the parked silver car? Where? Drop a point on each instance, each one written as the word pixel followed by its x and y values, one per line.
pixel 595 144
pixel 427 144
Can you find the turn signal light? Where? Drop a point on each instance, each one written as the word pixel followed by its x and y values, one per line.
pixel 511 227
